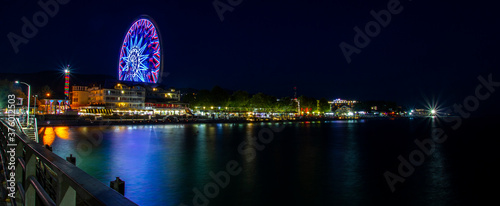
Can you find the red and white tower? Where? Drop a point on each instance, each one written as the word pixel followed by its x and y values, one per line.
pixel 66 82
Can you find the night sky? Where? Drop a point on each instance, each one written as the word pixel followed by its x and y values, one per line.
pixel 430 50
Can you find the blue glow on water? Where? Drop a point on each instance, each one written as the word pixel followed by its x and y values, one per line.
pixel 317 163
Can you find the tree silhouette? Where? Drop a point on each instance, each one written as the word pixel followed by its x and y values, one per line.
pixel 323 105
pixel 219 97
pixel 8 88
pixel 42 93
pixel 239 99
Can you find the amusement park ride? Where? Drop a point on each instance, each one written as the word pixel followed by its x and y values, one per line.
pixel 140 54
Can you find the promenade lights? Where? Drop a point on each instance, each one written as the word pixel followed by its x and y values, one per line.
pixel 433 111
pixel 29 94
pixel 36 96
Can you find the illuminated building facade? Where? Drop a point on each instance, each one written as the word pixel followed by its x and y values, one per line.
pixel 165 101
pixel 53 106
pixel 121 96
pixel 339 103
pixel 79 96
pixel 163 95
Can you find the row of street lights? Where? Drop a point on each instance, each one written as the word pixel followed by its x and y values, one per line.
pixel 29 102
pixel 66 71
pixel 29 94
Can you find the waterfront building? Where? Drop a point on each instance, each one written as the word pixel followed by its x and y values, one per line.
pixel 344 110
pixel 127 98
pixel 164 101
pixel 159 94
pixel 79 96
pixel 120 96
pixel 53 106
pixel 420 112
pixel 339 103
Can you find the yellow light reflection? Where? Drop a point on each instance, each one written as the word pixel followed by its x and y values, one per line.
pixel 62 132
pixel 51 132
pixel 48 136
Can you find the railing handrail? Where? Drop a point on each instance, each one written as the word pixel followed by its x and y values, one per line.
pixel 36 130
pixel 88 188
pixel 42 194
pixel 19 126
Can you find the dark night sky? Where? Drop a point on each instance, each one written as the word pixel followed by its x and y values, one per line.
pixel 429 50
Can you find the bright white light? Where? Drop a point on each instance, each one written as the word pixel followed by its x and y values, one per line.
pixel 433 111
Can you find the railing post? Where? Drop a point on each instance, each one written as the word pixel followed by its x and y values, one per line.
pixel 20 173
pixel 71 159
pixel 36 130
pixel 48 147
pixel 30 171
pixel 30 196
pixel 66 195
pixel 118 185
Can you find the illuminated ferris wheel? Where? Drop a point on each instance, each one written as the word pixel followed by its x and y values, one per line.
pixel 140 54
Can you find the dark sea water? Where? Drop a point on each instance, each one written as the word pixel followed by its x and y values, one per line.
pixel 305 163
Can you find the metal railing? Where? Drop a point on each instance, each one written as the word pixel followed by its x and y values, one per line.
pixel 43 178
pixel 36 131
pixel 19 127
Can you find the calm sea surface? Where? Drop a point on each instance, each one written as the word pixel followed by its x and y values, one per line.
pixel 305 163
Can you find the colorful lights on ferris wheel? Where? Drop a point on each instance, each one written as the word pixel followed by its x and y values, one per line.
pixel 140 54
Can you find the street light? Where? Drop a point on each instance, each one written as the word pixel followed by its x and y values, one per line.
pixel 34 112
pixel 29 94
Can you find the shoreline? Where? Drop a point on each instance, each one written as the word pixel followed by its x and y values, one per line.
pixel 46 123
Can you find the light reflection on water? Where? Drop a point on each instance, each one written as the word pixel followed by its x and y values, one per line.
pixel 50 133
pixel 314 163
pixel 48 136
